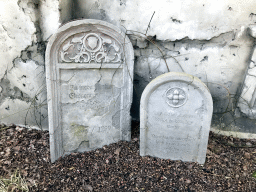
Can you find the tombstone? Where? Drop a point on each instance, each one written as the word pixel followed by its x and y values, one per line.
pixel 176 111
pixel 89 71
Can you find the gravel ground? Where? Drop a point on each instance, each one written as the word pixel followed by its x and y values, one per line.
pixel 230 165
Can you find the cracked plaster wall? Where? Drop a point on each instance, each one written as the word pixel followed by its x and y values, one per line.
pixel 207 39
pixel 173 20
pixel 24 27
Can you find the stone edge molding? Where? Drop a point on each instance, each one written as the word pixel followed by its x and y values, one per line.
pixel 247 99
pixel 53 46
pixel 236 134
pixel 169 77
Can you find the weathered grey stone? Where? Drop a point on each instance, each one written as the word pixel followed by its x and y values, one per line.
pixel 89 81
pixel 176 111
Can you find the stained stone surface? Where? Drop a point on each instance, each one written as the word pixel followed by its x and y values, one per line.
pixel 176 111
pixel 89 82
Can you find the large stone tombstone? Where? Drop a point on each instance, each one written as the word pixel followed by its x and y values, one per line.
pixel 176 111
pixel 89 67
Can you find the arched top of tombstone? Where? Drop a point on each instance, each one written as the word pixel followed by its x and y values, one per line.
pixel 176 76
pixel 89 41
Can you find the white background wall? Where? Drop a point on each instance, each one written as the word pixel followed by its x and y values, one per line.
pixel 208 39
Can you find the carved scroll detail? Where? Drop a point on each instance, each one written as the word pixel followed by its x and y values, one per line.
pixel 91 47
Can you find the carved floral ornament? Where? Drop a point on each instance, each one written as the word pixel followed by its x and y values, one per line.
pixel 176 97
pixel 91 47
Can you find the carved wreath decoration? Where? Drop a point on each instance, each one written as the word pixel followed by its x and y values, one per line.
pixel 91 47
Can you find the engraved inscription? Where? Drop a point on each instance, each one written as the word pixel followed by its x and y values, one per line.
pixel 173 126
pixel 80 87
pixel 101 129
pixel 175 120
pixel 79 96
pixel 176 97
pixel 91 47
pixel 188 138
pixel 94 104
pixel 175 144
pixel 80 92
pixel 168 114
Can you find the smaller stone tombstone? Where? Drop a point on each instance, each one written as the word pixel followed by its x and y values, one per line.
pixel 176 111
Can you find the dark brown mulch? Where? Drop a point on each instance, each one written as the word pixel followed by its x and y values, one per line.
pixel 229 166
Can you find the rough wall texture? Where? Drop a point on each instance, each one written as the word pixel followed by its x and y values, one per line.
pixel 212 40
pixel 173 20
pixel 24 25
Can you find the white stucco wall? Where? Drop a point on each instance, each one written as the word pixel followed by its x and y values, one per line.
pixel 208 39
pixel 195 19
pixel 17 32
pixel 24 25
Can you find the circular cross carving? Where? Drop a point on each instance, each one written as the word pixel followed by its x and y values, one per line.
pixel 176 97
pixel 92 42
